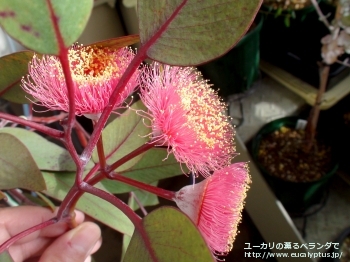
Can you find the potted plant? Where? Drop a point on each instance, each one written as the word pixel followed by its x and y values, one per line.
pixel 298 177
pixel 290 150
pixel 294 46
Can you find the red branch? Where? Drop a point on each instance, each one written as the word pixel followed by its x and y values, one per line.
pixel 130 156
pixel 114 201
pixel 166 194
pixel 39 127
pixel 49 119
pixel 25 233
pixel 68 126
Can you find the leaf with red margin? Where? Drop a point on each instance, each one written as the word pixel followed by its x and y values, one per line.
pixel 17 166
pixel 169 235
pixel 119 42
pixel 34 23
pixel 192 32
pixel 13 67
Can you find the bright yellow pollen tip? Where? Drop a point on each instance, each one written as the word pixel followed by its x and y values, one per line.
pixel 202 105
pixel 92 64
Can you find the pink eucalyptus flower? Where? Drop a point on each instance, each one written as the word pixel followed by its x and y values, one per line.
pixel 215 205
pixel 95 72
pixel 188 117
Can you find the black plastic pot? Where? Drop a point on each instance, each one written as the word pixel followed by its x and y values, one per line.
pixel 237 70
pixel 295 196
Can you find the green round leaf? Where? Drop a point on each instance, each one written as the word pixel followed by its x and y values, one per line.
pixel 13 67
pixel 17 166
pixel 33 24
pixel 199 32
pixel 169 236
pixel 47 155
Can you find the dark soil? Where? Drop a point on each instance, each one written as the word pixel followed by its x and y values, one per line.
pixel 282 154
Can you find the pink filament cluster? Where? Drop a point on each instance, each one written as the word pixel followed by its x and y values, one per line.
pixel 95 71
pixel 188 117
pixel 215 205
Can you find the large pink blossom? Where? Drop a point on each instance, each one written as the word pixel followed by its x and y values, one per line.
pixel 188 117
pixel 215 205
pixel 95 72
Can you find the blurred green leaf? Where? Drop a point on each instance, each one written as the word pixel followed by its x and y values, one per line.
pixel 58 185
pixel 126 238
pixel 116 43
pixel 13 67
pixel 126 242
pixel 46 201
pixel 201 31
pixel 17 166
pixel 278 12
pixel 171 236
pixel 293 14
pixel 32 24
pixel 154 165
pixel 123 135
pixel 287 21
pixel 5 257
pixel 47 155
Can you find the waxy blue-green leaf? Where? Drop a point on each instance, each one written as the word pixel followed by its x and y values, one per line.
pixel 12 68
pixel 47 155
pixel 199 31
pixel 58 185
pixel 171 236
pixel 33 23
pixel 153 166
pixel 123 135
pixel 17 166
